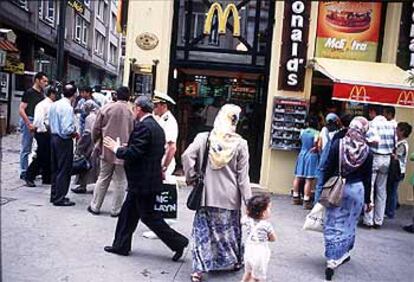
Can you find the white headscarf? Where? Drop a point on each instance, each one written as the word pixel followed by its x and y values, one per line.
pixel 223 138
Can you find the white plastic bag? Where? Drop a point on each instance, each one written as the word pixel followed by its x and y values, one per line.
pixel 314 220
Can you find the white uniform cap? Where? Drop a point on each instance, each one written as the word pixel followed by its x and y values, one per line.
pixel 162 97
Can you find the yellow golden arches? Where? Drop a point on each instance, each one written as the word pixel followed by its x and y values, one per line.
pixel 222 19
pixel 358 93
pixel 406 98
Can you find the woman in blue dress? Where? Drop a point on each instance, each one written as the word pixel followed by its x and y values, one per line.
pixel 306 163
pixel 340 222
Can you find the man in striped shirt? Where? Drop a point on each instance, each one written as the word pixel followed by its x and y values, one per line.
pixel 381 137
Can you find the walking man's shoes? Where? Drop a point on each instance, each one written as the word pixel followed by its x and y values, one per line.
pixel 178 254
pixel 113 250
pixel 64 203
pixel 89 209
pixel 409 228
pixel 30 183
pixel 79 190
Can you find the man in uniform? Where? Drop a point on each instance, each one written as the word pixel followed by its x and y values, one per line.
pixel 169 124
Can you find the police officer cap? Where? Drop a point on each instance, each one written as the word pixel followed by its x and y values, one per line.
pixel 145 103
pixel 160 97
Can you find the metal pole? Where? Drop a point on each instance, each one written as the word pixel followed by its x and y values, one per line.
pixel 61 40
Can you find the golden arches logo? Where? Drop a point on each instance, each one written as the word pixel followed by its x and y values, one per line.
pixel 358 93
pixel 406 98
pixel 223 16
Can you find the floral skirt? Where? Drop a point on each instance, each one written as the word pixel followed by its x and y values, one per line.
pixel 217 239
pixel 340 222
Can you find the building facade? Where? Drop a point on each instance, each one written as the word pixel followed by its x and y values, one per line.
pixel 264 56
pixel 92 45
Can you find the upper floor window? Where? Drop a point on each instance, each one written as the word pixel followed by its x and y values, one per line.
pixel 113 22
pixel 113 54
pixel 50 13
pixel 87 3
pixel 81 30
pixel 99 43
pixel 22 4
pixel 100 9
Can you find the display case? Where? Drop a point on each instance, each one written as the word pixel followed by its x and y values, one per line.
pixel 288 119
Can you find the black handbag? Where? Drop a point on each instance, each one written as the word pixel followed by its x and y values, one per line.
pixel 80 165
pixel 333 188
pixel 194 199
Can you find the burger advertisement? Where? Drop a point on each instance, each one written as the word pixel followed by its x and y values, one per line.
pixel 348 30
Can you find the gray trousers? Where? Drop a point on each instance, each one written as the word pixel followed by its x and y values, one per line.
pixel 380 166
pixel 109 170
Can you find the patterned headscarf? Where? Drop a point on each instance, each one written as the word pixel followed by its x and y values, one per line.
pixel 223 138
pixel 355 149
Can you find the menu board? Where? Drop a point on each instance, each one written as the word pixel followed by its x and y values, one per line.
pixel 143 84
pixel 288 119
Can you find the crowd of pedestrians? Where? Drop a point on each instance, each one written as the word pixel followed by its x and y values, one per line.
pixel 371 156
pixel 134 143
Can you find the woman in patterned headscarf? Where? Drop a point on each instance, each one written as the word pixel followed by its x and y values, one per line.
pixel 216 226
pixel 356 164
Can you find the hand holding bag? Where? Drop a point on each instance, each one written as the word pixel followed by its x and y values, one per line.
pixel 333 188
pixel 314 220
pixel 194 199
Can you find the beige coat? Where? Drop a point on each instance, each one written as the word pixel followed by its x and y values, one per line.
pixel 226 187
pixel 114 120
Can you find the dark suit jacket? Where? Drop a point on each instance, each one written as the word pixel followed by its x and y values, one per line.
pixel 143 157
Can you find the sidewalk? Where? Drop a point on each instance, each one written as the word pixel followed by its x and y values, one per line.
pixel 40 242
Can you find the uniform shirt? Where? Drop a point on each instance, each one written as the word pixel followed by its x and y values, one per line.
pixel 31 97
pixel 256 230
pixel 383 132
pixel 402 154
pixel 41 115
pixel 170 126
pixel 62 118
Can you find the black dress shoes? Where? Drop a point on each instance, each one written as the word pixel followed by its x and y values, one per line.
pixel 329 272
pixel 89 209
pixel 113 250
pixel 79 190
pixel 65 203
pixel 30 183
pixel 178 254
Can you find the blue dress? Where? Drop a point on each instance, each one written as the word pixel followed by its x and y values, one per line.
pixel 307 161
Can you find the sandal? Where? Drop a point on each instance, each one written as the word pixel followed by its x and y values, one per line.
pixel 196 277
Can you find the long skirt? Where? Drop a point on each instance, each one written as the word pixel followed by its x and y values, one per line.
pixel 340 223
pixel 217 239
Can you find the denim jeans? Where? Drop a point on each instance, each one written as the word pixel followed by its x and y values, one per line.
pixel 393 197
pixel 26 146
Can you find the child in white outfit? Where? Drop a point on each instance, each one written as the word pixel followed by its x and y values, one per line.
pixel 258 232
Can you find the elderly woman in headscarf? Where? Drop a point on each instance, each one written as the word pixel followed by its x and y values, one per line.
pixel 88 150
pixel 216 227
pixel 353 153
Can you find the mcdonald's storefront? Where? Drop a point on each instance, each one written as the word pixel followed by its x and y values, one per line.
pixel 278 60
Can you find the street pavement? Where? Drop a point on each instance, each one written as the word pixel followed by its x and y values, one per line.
pixel 40 242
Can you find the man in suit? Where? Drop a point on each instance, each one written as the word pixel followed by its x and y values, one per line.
pixel 142 157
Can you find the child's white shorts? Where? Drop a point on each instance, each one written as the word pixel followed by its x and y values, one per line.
pixel 256 259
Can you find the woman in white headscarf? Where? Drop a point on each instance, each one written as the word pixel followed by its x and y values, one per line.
pixel 216 226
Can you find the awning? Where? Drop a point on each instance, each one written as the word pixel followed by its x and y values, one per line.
pixel 6 45
pixel 368 82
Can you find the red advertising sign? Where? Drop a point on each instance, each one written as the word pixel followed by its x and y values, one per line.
pixel 348 30
pixel 374 95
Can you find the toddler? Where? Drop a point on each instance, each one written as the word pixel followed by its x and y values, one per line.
pixel 258 232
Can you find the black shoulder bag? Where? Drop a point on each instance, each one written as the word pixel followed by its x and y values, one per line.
pixel 194 199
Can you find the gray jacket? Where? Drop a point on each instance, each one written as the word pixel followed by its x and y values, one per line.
pixel 223 188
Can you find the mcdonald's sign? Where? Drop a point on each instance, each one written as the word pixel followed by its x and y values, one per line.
pixel 406 98
pixel 374 94
pixel 223 17
pixel 358 93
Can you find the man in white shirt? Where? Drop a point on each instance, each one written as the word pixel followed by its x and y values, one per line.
pixel 170 126
pixel 42 136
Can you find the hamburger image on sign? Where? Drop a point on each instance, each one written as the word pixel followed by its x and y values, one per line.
pixel 348 17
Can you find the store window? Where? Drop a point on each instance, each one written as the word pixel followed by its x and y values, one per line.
pixel 223 31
